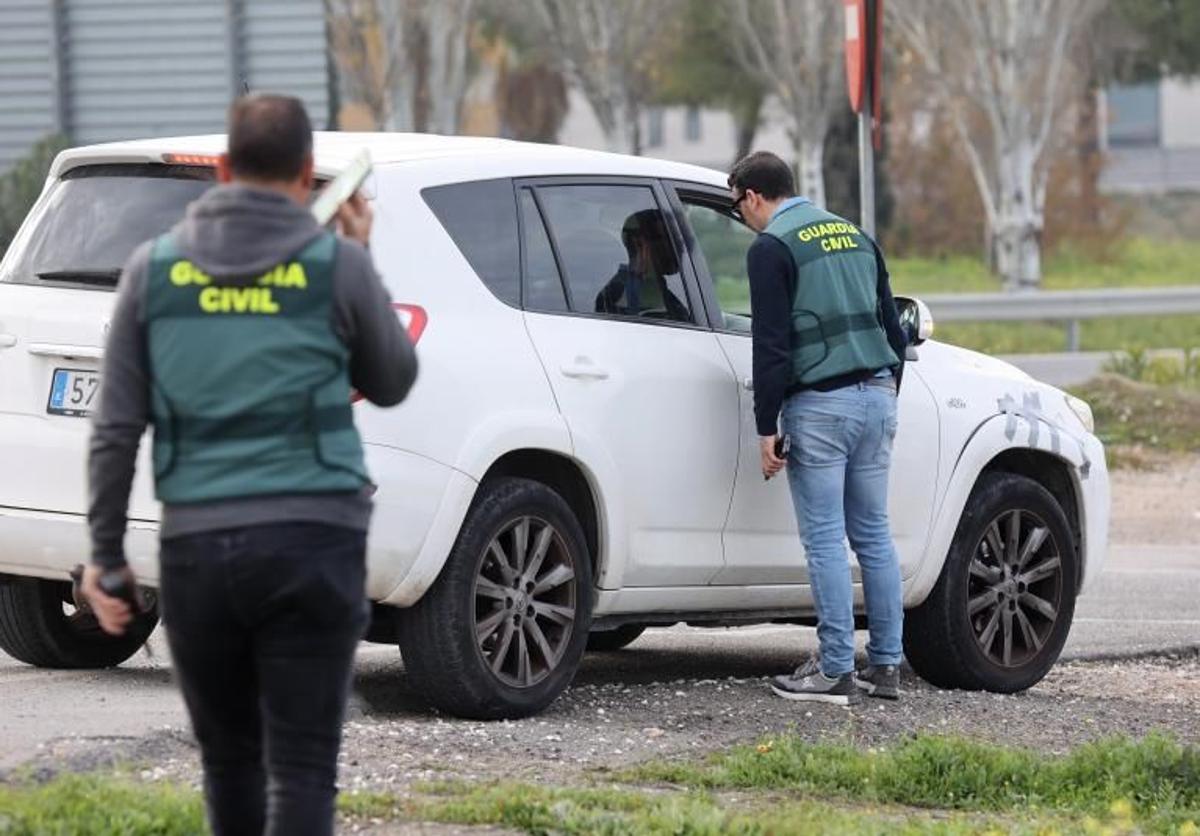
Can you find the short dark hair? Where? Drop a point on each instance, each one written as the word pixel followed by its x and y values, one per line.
pixel 765 173
pixel 270 137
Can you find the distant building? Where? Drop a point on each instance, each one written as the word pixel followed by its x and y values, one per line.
pixel 101 70
pixel 698 135
pixel 1151 136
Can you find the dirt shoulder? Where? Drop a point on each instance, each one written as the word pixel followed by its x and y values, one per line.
pixel 1160 506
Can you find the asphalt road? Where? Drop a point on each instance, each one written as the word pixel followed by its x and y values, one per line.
pixel 1145 601
pixel 1067 368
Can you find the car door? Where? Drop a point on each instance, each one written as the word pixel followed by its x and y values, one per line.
pixel 761 541
pixel 646 391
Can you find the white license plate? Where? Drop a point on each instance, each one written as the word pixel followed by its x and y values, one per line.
pixel 73 392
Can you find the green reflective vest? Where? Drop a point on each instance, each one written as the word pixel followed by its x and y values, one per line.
pixel 836 327
pixel 250 393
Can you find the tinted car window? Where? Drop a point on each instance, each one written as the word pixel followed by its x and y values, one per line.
pixel 617 254
pixel 723 241
pixel 94 218
pixel 543 285
pixel 481 217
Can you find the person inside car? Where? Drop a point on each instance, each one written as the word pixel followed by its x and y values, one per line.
pixel 640 286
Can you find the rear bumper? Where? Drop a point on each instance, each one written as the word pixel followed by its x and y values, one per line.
pixel 46 544
pixel 418 509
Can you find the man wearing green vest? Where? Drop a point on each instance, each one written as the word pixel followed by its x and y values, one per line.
pixel 238 335
pixel 828 354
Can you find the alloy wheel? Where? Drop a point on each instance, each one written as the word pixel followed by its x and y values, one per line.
pixel 1015 588
pixel 525 602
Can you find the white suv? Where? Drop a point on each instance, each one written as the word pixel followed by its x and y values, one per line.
pixel 567 470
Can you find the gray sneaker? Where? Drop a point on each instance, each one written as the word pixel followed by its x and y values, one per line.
pixel 808 684
pixel 881 681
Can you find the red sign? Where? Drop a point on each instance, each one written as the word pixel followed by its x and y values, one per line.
pixel 856 51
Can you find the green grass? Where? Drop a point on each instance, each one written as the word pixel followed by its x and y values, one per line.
pixel 541 810
pixel 1137 262
pixel 87 804
pixel 785 786
pixel 1164 419
pixel 1158 779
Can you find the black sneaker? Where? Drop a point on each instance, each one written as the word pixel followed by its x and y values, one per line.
pixel 808 684
pixel 881 681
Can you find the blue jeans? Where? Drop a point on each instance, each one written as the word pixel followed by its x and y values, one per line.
pixel 838 473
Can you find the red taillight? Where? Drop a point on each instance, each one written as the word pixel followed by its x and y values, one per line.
pixel 414 319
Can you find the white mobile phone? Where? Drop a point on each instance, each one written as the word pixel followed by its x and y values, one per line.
pixel 341 188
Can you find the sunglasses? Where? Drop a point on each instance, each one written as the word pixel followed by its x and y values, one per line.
pixel 737 204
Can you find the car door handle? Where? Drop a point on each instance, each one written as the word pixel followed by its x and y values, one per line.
pixel 7 340
pixel 584 369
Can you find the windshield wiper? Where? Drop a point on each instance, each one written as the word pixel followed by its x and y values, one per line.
pixel 82 276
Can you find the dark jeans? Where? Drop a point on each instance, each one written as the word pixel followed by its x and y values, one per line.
pixel 262 623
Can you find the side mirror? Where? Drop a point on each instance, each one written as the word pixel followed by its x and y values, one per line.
pixel 915 319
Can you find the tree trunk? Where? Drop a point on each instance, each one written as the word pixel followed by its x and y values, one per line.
pixel 446 55
pixel 810 156
pixel 1017 237
pixel 746 116
pixel 622 136
pixel 1018 249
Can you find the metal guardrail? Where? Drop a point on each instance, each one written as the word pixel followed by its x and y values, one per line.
pixel 1069 306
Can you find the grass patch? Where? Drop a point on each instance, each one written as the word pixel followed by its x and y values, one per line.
pixel 1035 337
pixel 927 785
pixel 1138 262
pixel 541 810
pixel 81 804
pixel 1132 414
pixel 1154 781
pixel 363 804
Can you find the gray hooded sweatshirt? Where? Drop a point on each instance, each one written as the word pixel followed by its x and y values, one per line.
pixel 232 233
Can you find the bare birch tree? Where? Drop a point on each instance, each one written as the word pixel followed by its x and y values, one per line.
pixel 794 47
pixel 609 49
pixel 999 70
pixel 405 60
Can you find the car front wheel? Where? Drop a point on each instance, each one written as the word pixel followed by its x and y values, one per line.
pixel 999 614
pixel 501 632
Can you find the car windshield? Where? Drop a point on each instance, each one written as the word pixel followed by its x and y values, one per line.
pixel 94 217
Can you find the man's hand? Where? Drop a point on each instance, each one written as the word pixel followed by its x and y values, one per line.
pixel 113 614
pixel 771 464
pixel 354 219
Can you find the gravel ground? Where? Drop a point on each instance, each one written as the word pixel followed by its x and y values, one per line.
pixel 655 700
pixel 598 726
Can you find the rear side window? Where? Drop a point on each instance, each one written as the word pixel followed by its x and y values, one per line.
pixel 481 218
pixel 95 216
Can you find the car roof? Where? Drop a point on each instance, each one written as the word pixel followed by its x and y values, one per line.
pixel 334 150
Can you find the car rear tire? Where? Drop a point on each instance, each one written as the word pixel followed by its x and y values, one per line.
pixel 1000 612
pixel 606 641
pixel 501 632
pixel 40 627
